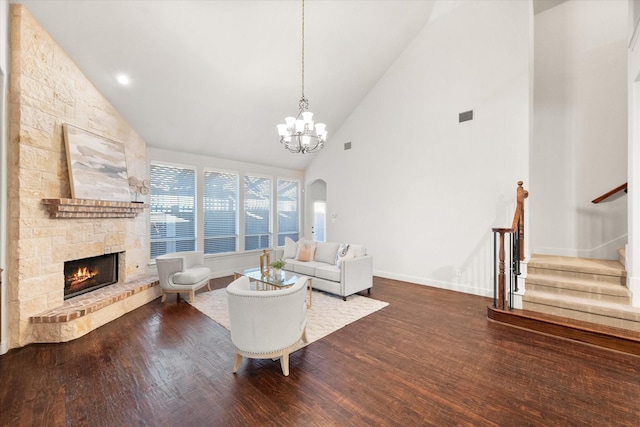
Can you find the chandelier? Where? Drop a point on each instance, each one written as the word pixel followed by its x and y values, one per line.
pixel 301 134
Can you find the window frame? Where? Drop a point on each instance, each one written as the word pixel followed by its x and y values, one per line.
pixel 194 220
pixel 237 234
pixel 278 232
pixel 270 232
pixel 197 242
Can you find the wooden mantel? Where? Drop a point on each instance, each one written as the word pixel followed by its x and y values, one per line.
pixel 84 208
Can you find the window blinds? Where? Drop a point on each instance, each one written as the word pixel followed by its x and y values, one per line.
pixel 220 209
pixel 172 209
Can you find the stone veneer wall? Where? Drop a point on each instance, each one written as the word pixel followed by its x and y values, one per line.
pixel 46 90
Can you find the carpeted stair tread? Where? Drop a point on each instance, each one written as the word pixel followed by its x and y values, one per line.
pixel 578 284
pixel 584 265
pixel 603 308
pixel 583 289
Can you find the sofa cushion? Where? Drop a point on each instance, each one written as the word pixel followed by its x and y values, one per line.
pixel 191 275
pixel 306 252
pixel 290 248
pixel 329 272
pixel 307 268
pixel 326 252
pixel 327 286
pixel 289 263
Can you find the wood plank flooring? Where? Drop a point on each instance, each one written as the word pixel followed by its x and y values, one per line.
pixel 430 358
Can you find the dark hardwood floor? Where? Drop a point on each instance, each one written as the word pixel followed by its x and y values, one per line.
pixel 430 358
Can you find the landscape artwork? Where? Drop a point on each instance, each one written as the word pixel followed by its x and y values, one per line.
pixel 97 166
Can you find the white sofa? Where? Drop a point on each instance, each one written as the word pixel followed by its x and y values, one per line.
pixel 336 268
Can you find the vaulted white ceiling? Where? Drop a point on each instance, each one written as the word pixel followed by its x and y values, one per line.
pixel 215 77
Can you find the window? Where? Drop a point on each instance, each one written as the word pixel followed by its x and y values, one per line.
pixel 193 208
pixel 257 213
pixel 220 212
pixel 172 215
pixel 288 218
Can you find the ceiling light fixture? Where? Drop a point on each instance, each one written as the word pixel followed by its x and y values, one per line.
pixel 301 134
pixel 123 79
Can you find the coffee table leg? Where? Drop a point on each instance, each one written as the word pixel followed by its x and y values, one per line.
pixel 310 289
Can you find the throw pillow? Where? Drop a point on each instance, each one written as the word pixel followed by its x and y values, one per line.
pixel 343 250
pixel 326 252
pixel 290 248
pixel 357 250
pixel 306 252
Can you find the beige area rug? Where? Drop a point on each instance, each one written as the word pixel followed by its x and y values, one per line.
pixel 327 314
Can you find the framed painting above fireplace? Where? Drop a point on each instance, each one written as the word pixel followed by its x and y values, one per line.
pixel 97 166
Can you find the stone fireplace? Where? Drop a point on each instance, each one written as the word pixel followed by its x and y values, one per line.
pixel 47 228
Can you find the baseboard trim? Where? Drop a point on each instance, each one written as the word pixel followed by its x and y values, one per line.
pixel 606 250
pixel 466 288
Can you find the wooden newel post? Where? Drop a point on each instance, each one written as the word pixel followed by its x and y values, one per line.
pixel 501 276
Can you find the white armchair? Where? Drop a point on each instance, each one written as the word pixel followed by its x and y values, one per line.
pixel 182 272
pixel 266 324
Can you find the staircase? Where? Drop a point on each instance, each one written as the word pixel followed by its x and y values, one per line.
pixel 580 299
pixel 583 289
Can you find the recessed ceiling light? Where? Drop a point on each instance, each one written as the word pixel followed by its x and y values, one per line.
pixel 123 79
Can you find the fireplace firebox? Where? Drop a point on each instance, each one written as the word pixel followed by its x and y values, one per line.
pixel 88 274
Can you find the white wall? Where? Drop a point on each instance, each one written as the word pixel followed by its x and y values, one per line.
pixel 633 248
pixel 4 70
pixel 579 151
pixel 225 264
pixel 419 189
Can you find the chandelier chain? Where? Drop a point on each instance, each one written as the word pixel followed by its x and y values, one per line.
pixel 302 134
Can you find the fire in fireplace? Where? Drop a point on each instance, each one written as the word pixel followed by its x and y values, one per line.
pixel 88 274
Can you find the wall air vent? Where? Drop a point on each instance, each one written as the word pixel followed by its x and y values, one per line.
pixel 467 115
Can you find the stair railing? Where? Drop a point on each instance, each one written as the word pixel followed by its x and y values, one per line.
pixel 611 193
pixel 516 243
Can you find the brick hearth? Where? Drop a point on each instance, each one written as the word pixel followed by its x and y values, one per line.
pixel 66 322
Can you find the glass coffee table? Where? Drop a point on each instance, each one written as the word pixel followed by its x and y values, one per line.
pixel 271 281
